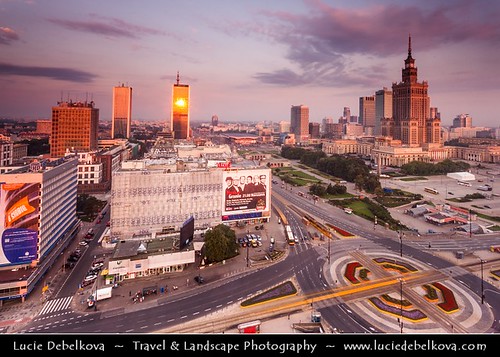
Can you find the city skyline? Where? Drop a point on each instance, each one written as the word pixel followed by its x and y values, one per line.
pixel 246 61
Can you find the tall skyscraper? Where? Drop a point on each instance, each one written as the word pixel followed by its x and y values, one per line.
pixel 367 114
pixel 383 108
pixel 122 112
pixel 299 123
pixel 179 122
pixel 411 106
pixel 74 127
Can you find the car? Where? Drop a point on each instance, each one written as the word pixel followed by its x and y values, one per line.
pixel 199 279
pixel 450 193
pixel 83 243
pixel 90 277
pixel 97 265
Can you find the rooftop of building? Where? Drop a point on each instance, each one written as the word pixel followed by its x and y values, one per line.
pixel 42 165
pixel 78 104
pixel 136 249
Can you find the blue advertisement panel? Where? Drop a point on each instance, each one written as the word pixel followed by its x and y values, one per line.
pixel 19 221
pixel 19 245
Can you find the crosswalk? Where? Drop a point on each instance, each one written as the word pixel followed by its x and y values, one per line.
pixel 55 305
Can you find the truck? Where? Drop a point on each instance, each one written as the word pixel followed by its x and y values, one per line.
pixel 101 294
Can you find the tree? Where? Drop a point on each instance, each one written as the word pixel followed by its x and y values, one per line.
pixel 220 244
pixel 317 189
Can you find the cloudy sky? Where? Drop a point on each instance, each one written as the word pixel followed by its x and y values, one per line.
pixel 247 60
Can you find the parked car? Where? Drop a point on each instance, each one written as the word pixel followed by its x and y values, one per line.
pixel 90 277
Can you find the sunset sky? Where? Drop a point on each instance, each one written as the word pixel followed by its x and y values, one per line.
pixel 247 60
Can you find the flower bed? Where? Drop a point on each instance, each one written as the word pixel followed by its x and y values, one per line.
pixel 350 272
pixel 395 262
pixel 431 293
pixel 396 302
pixel 414 315
pixel 280 291
pixel 449 304
pixel 399 268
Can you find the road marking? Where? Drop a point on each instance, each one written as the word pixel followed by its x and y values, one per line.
pixel 56 305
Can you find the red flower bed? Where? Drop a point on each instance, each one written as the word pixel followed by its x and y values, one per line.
pixel 350 272
pixel 449 304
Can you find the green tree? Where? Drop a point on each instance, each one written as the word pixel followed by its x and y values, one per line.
pixel 220 244
pixel 336 189
pixel 317 189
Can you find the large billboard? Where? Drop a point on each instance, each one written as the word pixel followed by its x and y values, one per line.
pixel 19 218
pixel 246 191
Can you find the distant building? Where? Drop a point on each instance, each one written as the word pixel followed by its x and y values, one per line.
pixel 74 128
pixel 462 121
pixel 284 126
pixel 411 108
pixel 6 148
pixel 367 114
pixel 44 126
pixel 299 123
pixel 383 108
pixel 122 112
pixel 314 131
pixel 215 120
pixel 346 116
pixel 324 122
pixel 179 122
pixel 19 152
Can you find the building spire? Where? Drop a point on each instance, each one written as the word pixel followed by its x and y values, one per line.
pixel 177 77
pixel 409 45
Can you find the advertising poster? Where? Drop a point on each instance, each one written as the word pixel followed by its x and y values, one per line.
pixel 246 191
pixel 19 216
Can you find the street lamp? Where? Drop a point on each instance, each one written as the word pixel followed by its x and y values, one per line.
pixel 400 243
pixel 482 282
pixel 248 260
pixel 401 304
pixel 470 223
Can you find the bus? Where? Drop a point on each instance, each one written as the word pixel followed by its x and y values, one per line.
pixel 464 183
pixel 289 235
pixel 431 190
